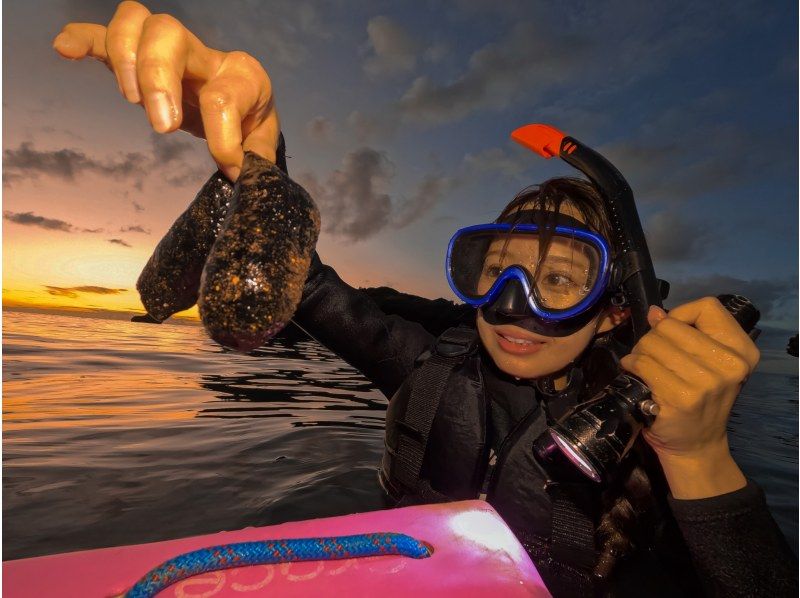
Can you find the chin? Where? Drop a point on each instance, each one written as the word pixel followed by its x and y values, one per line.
pixel 551 358
pixel 531 368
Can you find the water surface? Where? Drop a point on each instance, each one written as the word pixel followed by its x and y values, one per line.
pixel 118 433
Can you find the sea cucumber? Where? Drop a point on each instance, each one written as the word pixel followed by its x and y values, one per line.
pixel 170 280
pixel 254 275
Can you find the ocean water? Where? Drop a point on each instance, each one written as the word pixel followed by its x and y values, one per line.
pixel 120 433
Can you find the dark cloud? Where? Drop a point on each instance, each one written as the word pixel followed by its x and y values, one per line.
pixel 671 237
pixel 353 200
pixel 120 242
pixel 72 292
pixel 319 128
pixel 776 299
pixel 135 228
pixel 557 54
pixel 392 49
pixel 679 156
pixel 31 219
pixel 428 194
pixel 60 292
pixel 66 164
pixel 169 148
pixel 173 158
pixel 532 56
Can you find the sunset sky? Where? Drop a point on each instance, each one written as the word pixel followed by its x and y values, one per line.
pixel 397 115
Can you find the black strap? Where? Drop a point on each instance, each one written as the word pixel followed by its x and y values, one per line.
pixel 428 384
pixel 572 539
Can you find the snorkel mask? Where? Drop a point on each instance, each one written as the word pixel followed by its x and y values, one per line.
pixel 489 267
pixel 549 284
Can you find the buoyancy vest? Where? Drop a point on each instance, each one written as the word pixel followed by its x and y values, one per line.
pixel 437 448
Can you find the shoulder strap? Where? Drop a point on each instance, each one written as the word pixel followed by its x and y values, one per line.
pixel 428 384
pixel 572 537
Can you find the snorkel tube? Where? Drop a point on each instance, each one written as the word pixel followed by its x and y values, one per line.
pixel 637 280
pixel 595 436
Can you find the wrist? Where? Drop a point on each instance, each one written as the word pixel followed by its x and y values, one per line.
pixel 702 474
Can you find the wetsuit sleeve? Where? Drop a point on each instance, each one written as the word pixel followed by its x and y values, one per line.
pixel 736 545
pixel 347 321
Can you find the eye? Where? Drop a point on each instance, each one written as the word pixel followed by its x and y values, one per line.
pixel 559 279
pixel 492 270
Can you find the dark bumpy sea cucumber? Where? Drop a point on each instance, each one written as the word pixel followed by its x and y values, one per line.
pixel 254 275
pixel 170 281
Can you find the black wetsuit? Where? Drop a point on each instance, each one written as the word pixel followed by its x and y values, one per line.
pixel 735 545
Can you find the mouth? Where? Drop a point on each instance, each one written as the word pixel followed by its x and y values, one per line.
pixel 517 343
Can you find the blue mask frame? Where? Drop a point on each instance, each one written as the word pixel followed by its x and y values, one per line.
pixel 517 272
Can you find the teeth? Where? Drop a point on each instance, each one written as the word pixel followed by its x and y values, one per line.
pixel 518 341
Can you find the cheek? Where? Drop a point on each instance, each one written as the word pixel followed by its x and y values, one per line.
pixel 570 347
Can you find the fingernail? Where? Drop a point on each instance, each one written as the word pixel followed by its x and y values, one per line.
pixel 232 173
pixel 130 85
pixel 161 112
pixel 656 314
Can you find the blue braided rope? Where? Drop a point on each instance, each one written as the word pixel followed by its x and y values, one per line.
pixel 269 552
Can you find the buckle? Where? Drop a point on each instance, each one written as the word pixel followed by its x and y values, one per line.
pixel 455 342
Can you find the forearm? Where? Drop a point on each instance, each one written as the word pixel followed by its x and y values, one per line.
pixel 348 322
pixel 736 545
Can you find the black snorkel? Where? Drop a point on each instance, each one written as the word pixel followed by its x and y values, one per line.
pixel 638 286
pixel 597 434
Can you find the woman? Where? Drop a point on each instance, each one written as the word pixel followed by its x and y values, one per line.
pixel 226 98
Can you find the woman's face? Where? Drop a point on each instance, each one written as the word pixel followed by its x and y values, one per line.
pixel 562 280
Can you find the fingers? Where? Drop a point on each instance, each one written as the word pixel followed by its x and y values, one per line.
pixel 122 42
pixel 710 317
pixel 160 64
pixel 240 88
pixel 663 350
pixel 79 40
pixel 666 386
pixel 688 350
pixel 262 138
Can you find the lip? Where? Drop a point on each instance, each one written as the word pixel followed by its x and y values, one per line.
pixel 515 348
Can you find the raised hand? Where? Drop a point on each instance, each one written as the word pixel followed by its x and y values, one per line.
pixel 694 360
pixel 223 97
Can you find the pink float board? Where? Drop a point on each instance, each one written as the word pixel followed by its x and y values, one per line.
pixel 475 554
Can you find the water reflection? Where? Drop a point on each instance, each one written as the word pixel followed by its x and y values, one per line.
pixel 119 433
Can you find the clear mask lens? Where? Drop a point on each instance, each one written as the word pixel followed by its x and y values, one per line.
pixel 560 279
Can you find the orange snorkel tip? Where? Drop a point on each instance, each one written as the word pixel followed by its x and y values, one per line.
pixel 542 139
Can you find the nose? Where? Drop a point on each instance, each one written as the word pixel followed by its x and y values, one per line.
pixel 512 301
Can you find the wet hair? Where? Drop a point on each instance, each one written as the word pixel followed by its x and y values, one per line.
pixel 629 502
pixel 547 198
